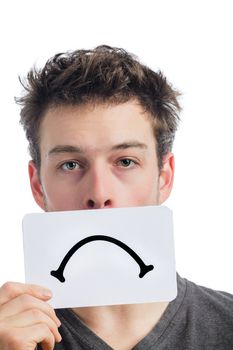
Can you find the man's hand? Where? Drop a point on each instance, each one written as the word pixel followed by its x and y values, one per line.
pixel 26 319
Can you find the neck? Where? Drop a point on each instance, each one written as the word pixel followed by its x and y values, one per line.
pixel 122 326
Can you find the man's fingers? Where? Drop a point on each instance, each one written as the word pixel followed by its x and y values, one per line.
pixel 42 335
pixel 26 302
pixel 11 290
pixel 26 319
pixel 30 318
pixel 27 338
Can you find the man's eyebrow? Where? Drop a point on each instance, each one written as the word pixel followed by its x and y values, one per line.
pixel 65 149
pixel 75 149
pixel 130 144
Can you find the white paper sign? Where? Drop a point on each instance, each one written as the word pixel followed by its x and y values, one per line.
pixel 102 257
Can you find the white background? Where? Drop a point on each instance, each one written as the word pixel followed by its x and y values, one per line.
pixel 191 42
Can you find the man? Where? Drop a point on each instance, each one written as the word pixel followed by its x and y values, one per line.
pixel 100 127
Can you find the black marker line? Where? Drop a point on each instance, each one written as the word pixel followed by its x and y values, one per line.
pixel 59 272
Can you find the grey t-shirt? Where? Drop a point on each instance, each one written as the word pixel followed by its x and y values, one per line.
pixel 199 318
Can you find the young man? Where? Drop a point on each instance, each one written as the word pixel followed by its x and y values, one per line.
pixel 100 127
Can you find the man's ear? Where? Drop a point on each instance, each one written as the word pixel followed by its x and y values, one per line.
pixel 166 177
pixel 36 187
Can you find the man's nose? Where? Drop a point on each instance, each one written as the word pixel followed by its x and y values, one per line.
pixel 98 189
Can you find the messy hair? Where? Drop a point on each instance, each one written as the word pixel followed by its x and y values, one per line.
pixel 102 75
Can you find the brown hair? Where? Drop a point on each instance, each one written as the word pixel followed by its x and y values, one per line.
pixel 102 75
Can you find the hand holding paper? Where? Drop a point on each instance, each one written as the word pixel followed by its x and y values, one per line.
pixel 102 257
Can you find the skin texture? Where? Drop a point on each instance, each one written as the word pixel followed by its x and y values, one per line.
pixel 93 156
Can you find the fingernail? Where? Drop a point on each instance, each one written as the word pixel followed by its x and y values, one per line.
pixel 46 293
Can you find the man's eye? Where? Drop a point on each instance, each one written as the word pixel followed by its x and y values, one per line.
pixel 70 166
pixel 126 163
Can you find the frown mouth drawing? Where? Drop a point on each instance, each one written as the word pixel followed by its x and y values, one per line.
pixel 59 273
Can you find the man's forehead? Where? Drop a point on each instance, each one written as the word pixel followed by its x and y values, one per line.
pixel 118 127
pixel 129 108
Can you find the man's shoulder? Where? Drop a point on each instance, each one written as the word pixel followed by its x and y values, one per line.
pixel 208 315
pixel 200 318
pixel 202 299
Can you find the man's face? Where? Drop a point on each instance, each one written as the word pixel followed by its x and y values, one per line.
pixel 99 157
